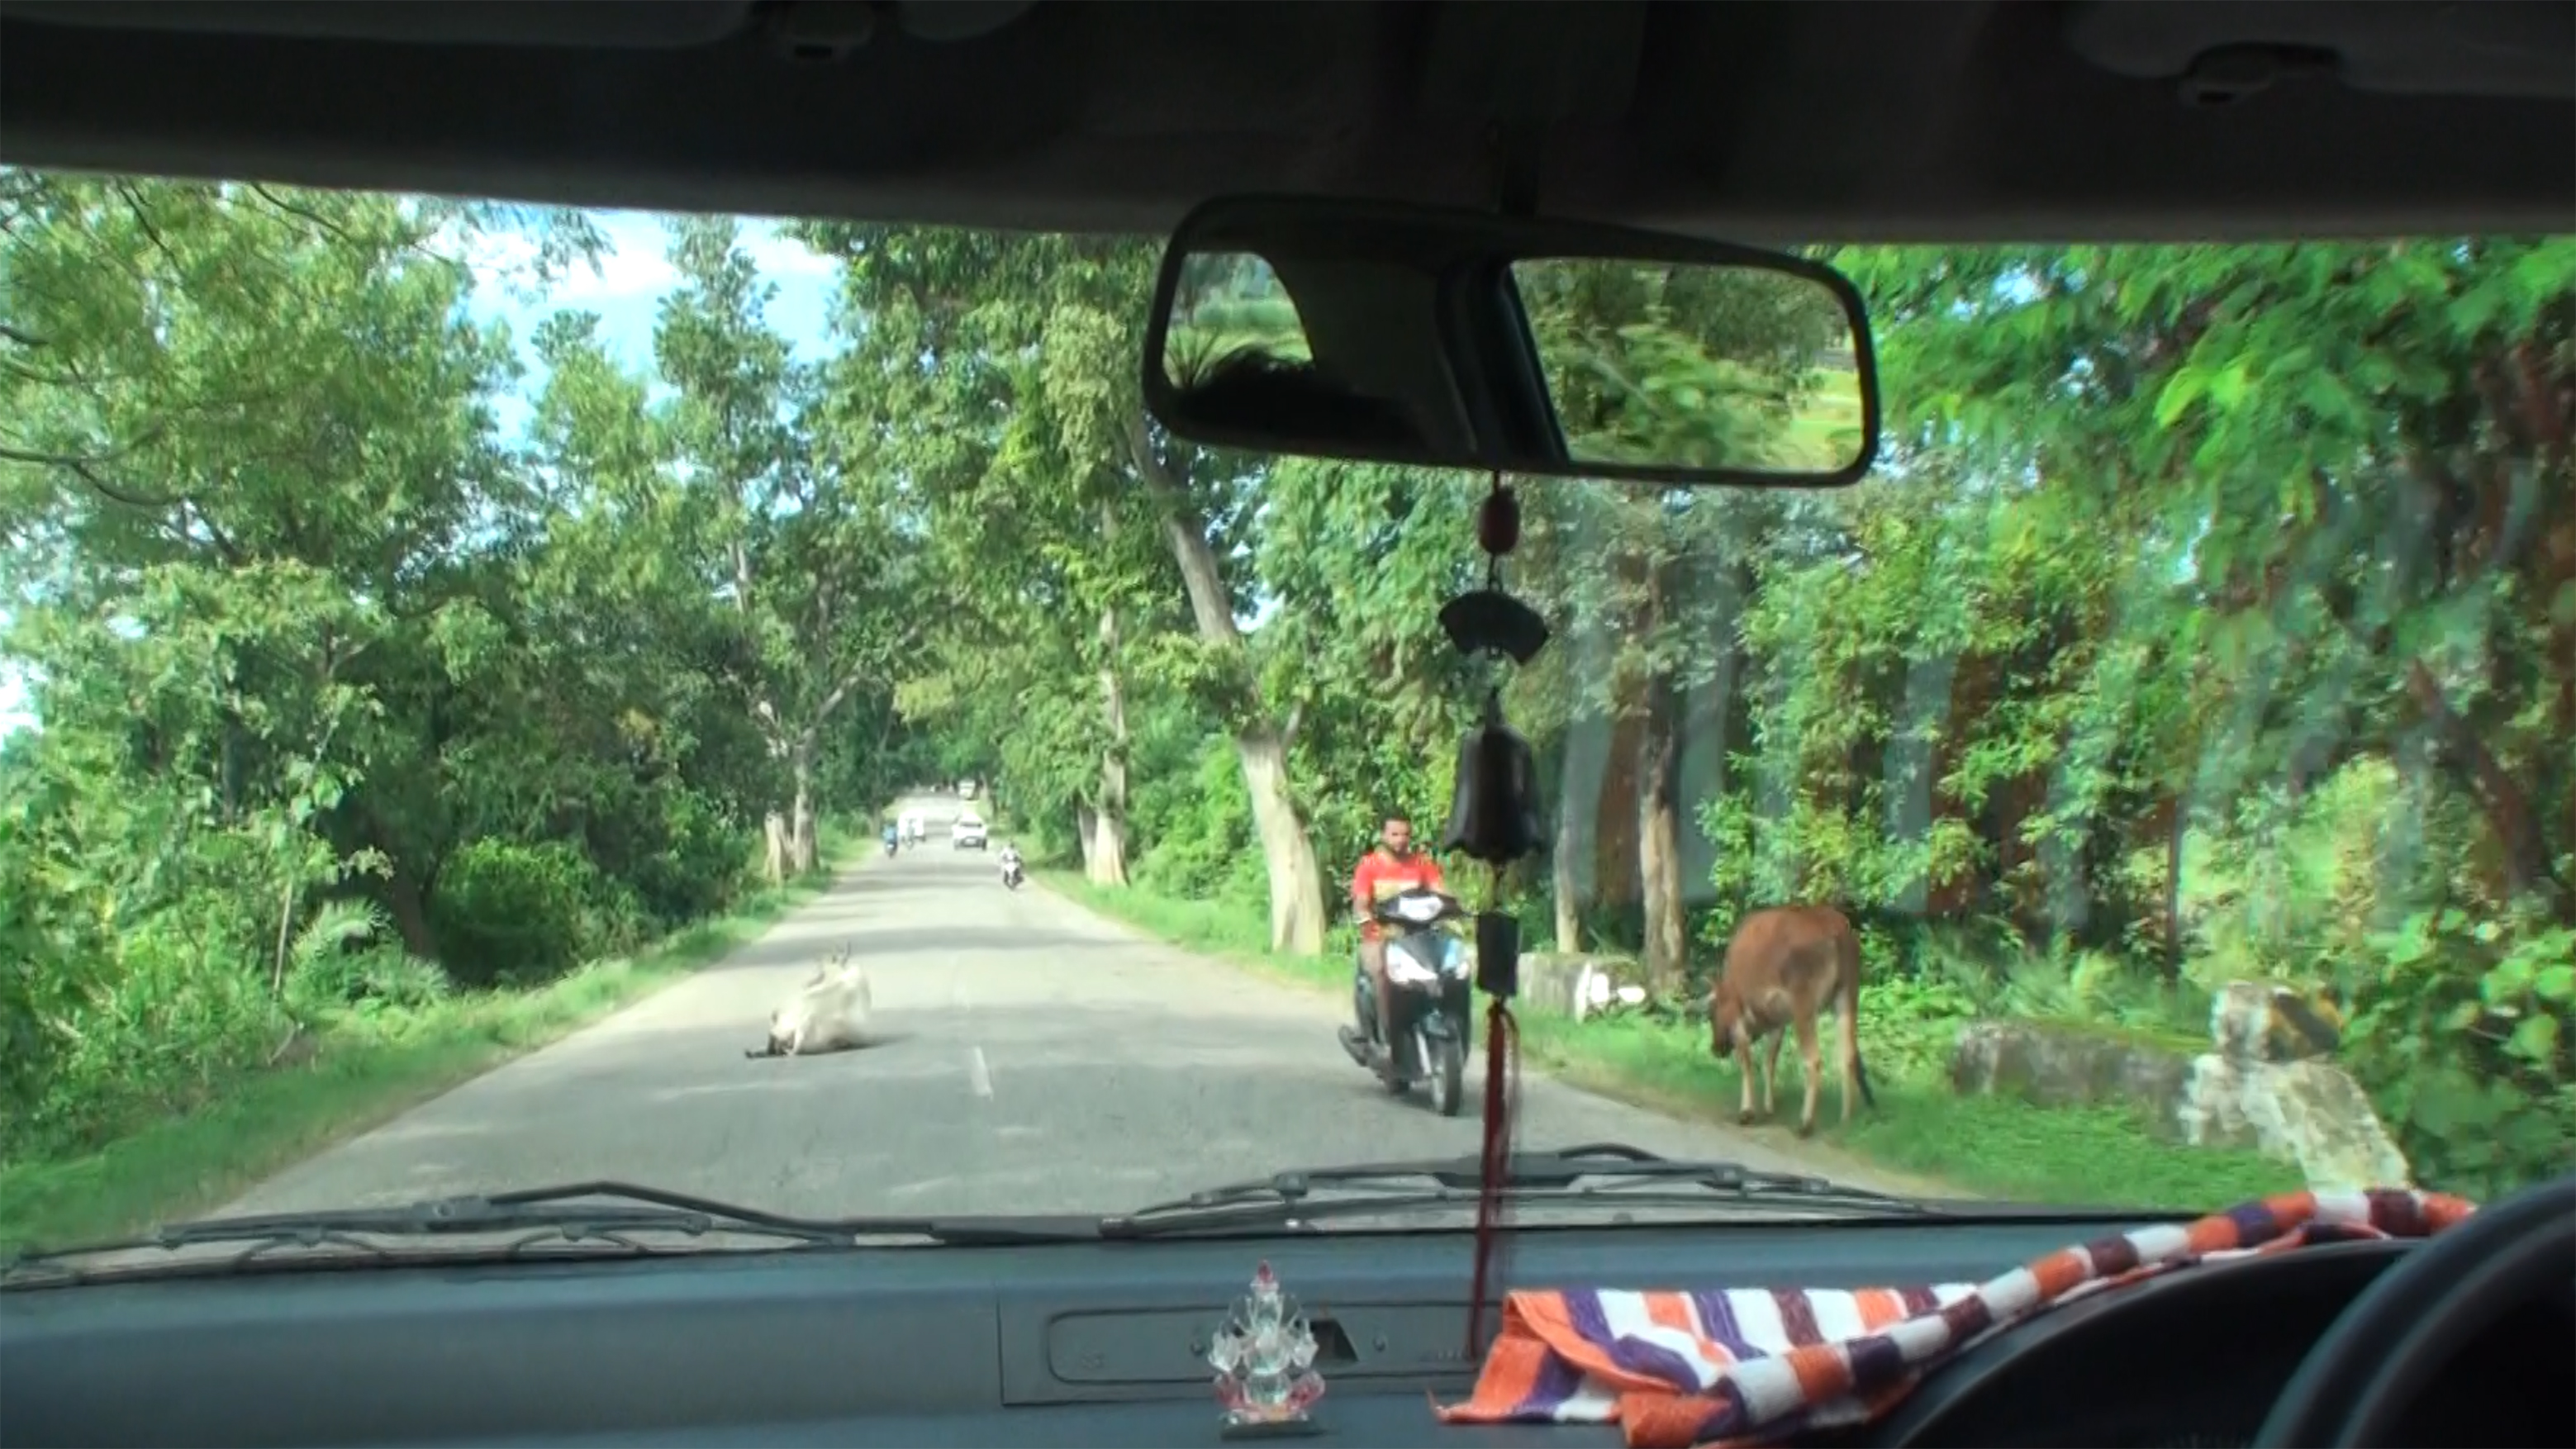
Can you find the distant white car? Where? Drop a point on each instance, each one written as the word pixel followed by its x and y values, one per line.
pixel 967 833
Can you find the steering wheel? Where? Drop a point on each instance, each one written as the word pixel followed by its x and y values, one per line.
pixel 2357 1383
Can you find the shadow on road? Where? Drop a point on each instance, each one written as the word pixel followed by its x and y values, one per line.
pixel 1097 1059
pixel 819 933
pixel 876 1040
pixel 1022 1057
pixel 866 881
pixel 1024 941
pixel 908 1127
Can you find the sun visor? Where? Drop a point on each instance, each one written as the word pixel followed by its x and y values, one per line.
pixel 596 24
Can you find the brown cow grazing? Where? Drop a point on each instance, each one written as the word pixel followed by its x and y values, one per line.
pixel 1785 967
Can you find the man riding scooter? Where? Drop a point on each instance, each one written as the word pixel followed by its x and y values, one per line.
pixel 1011 865
pixel 1390 870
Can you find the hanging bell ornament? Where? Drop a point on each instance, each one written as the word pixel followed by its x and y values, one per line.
pixel 1495 816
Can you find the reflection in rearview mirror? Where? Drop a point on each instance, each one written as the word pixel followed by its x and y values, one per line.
pixel 1228 310
pixel 1388 333
pixel 1236 353
pixel 1675 365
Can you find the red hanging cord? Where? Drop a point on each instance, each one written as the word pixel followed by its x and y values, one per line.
pixel 1498 532
pixel 1502 1092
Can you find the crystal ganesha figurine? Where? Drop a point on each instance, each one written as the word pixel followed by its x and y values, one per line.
pixel 1263 1359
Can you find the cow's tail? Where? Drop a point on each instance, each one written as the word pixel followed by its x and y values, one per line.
pixel 1851 1019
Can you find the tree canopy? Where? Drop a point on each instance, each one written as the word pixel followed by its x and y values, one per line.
pixel 2212 614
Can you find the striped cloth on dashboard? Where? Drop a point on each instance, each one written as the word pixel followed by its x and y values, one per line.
pixel 1748 1365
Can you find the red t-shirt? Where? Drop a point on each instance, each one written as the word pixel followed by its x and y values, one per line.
pixel 1381 875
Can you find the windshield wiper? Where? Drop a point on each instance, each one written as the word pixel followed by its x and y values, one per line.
pixel 570 1214
pixel 1596 1171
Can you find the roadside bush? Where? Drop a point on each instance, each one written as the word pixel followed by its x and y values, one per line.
pixel 514 914
pixel 2460 1006
pixel 1208 852
pixel 345 959
pixel 2465 1035
pixel 158 1028
pixel 696 867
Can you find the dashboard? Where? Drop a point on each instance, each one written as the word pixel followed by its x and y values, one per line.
pixel 1103 1343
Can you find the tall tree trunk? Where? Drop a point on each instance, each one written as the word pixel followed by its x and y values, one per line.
pixel 1106 856
pixel 1615 817
pixel 2507 807
pixel 285 941
pixel 1562 884
pixel 1086 833
pixel 2065 881
pixel 1703 770
pixel 1104 852
pixel 777 834
pixel 407 891
pixel 411 913
pixel 804 851
pixel 1287 852
pixel 1296 877
pixel 1587 749
pixel 1659 866
pixel 777 849
pixel 1659 862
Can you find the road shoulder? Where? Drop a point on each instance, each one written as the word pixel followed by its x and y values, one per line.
pixel 360 1078
pixel 1551 1051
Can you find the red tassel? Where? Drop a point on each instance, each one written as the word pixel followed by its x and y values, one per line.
pixel 1502 1093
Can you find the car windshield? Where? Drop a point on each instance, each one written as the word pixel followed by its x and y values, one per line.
pixel 466 666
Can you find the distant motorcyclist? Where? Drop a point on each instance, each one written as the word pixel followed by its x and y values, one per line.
pixel 892 837
pixel 1010 862
pixel 1388 871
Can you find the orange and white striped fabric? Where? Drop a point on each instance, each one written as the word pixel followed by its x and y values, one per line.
pixel 1736 1366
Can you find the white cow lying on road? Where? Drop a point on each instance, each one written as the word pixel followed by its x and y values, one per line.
pixel 828 1013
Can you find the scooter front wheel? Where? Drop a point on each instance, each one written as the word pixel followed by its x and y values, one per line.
pixel 1448 1076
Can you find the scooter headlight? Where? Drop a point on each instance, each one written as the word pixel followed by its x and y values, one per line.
pixel 1405 971
pixel 1416 909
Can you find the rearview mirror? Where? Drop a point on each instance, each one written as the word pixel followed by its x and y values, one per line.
pixel 1399 334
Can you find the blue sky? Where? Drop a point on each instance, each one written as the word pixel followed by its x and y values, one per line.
pixel 631 280
pixel 624 289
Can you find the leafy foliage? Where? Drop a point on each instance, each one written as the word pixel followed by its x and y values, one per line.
pixel 2212 616
pixel 346 698
pixel 2303 719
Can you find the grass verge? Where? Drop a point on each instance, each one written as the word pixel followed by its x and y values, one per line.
pixel 367 1069
pixel 1985 1146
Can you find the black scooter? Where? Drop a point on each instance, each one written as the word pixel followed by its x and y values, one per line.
pixel 1426 969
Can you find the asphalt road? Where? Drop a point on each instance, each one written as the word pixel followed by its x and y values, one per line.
pixel 1035 1058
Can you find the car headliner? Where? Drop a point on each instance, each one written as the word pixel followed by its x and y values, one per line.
pixel 1759 121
